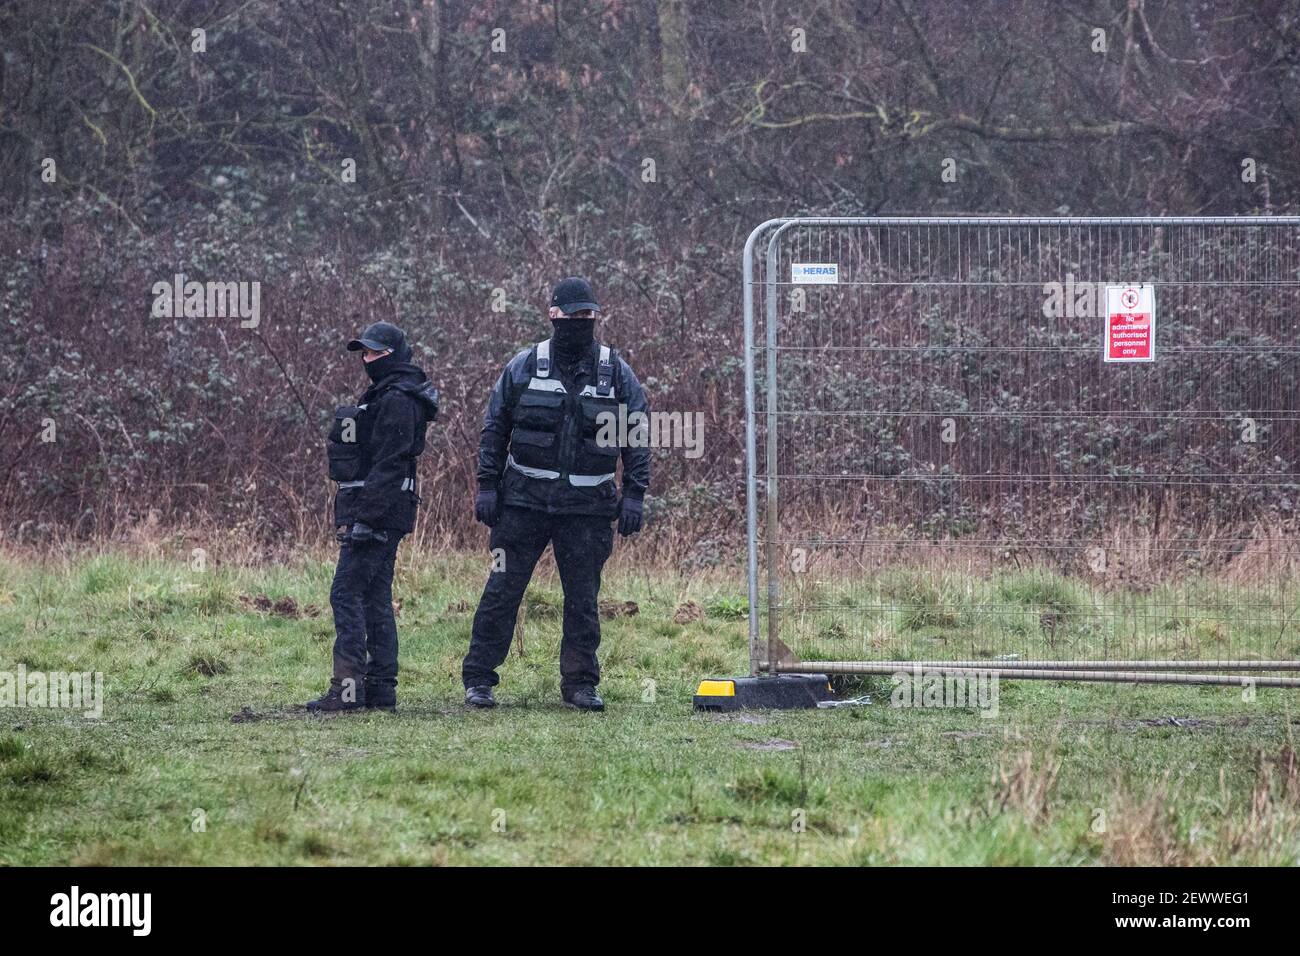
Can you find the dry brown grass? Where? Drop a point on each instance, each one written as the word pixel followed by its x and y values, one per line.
pixel 1140 830
pixel 1137 556
pixel 247 544
pixel 1145 822
pixel 1143 829
pixel 1024 782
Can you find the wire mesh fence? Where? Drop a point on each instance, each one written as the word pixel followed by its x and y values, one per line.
pixel 945 468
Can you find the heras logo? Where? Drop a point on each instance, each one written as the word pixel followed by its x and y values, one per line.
pixel 814 272
pixel 103 909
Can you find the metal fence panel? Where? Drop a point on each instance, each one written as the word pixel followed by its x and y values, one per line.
pixel 941 466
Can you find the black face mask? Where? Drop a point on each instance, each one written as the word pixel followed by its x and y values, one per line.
pixel 381 367
pixel 573 337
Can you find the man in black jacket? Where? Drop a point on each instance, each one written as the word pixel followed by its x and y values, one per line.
pixel 373 448
pixel 546 469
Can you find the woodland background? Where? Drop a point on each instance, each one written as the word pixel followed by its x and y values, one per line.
pixel 479 170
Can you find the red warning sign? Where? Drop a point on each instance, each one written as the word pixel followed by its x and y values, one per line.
pixel 1130 323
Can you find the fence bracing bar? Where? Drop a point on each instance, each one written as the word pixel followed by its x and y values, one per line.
pixel 1012 673
pixel 1100 665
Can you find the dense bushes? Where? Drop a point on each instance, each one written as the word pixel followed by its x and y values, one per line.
pixel 202 420
pixel 483 175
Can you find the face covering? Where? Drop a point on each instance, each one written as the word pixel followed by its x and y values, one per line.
pixel 383 366
pixel 573 338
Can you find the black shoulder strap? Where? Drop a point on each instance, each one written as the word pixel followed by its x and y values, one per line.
pixel 604 372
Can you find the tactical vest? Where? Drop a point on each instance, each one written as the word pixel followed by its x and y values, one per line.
pixel 542 445
pixel 349 446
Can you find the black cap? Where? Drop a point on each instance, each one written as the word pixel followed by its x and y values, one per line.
pixel 573 295
pixel 382 337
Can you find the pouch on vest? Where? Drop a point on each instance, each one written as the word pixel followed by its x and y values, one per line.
pixel 598 452
pixel 535 449
pixel 601 442
pixel 349 440
pixel 538 417
pixel 539 411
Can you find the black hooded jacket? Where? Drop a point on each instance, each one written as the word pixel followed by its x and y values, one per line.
pixel 402 411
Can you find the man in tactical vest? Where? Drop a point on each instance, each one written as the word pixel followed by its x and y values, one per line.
pixel 373 447
pixel 546 476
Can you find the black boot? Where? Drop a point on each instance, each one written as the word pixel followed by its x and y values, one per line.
pixel 583 698
pixel 338 699
pixel 480 697
pixel 381 698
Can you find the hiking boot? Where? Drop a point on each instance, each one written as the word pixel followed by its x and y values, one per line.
pixel 381 698
pixel 335 700
pixel 583 698
pixel 480 697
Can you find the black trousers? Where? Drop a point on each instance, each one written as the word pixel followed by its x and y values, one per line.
pixel 365 631
pixel 582 544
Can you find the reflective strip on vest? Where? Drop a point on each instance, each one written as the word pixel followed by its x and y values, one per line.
pixel 589 481
pixel 531 472
pixel 546 385
pixel 408 484
pixel 544 359
pixel 578 481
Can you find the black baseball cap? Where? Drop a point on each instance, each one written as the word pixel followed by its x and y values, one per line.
pixel 380 336
pixel 573 295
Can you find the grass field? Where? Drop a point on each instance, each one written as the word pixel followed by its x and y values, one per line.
pixel 200 757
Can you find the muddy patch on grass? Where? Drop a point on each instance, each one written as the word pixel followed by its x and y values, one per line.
pixel 688 612
pixel 284 607
pixel 609 610
pixel 773 743
pixel 247 715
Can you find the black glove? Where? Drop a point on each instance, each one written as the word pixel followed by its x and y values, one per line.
pixel 485 507
pixel 362 533
pixel 629 516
